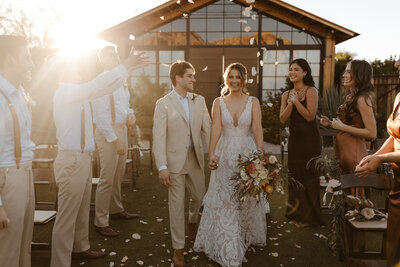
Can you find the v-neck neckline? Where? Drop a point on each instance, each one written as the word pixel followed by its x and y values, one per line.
pixel 241 113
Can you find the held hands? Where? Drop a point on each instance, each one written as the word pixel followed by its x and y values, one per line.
pixel 164 178
pixel 131 120
pixel 293 97
pixel 4 220
pixel 119 147
pixel 213 162
pixel 367 165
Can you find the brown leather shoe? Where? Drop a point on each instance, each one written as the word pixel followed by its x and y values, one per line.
pixel 106 231
pixel 124 216
pixel 88 254
pixel 178 259
pixel 192 230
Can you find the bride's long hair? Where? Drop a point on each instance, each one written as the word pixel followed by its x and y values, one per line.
pixel 243 77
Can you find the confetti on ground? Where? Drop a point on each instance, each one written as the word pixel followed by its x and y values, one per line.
pixel 150 254
pixel 136 236
pixel 287 231
pixel 163 245
pixel 140 262
pixel 275 244
pixel 159 219
pixel 124 259
pixel 270 105
pixel 113 253
pixel 297 246
pixel 280 234
pixel 273 254
pixel 244 260
pixel 82 263
pixel 127 240
pixel 195 257
pixel 142 222
pixel 111 264
pixel 103 249
pixel 273 238
pixel 292 259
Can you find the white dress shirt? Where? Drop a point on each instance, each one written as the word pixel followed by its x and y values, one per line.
pixel 19 100
pixel 68 101
pixel 185 104
pixel 102 112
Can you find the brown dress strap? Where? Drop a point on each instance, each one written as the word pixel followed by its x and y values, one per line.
pixel 17 130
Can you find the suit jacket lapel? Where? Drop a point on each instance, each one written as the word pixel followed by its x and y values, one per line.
pixel 178 105
pixel 192 109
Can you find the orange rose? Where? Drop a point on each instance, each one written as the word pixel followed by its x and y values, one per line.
pixel 268 189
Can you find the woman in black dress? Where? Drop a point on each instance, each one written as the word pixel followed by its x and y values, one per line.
pixel 300 104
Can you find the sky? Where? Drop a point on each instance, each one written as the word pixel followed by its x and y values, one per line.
pixel 375 21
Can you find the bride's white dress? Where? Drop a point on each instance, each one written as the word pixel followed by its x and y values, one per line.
pixel 225 231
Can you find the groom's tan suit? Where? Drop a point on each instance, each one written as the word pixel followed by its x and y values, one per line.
pixel 177 144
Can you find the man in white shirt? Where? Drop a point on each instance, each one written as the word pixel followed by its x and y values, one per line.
pixel 111 113
pixel 17 201
pixel 73 165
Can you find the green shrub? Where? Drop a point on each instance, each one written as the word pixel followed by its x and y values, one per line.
pixel 270 118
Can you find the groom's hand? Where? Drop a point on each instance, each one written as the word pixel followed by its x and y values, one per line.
pixel 164 178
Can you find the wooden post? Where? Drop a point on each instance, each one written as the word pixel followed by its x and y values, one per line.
pixel 329 64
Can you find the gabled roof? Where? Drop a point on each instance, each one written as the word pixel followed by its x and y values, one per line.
pixel 175 9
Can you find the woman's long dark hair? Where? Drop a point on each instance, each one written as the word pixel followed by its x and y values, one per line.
pixel 362 74
pixel 308 79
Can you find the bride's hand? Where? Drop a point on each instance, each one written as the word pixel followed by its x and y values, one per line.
pixel 213 162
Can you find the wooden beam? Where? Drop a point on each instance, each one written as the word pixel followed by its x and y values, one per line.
pixel 329 64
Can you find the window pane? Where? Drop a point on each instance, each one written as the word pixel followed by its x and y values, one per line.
pixel 313 56
pixel 164 69
pixel 280 82
pixel 286 37
pixel 179 25
pixel 316 80
pixel 251 24
pixel 269 82
pixel 282 56
pixel 150 69
pixel 198 24
pixel 232 38
pixel 269 70
pixel 282 69
pixel 214 36
pixel 215 9
pixel 233 9
pixel 165 56
pixel 178 55
pixel 165 80
pixel 299 54
pixel 314 69
pixel 270 56
pixel 299 37
pixel 247 36
pixel 313 40
pixel 214 24
pixel 268 24
pixel 232 25
pixel 283 27
pixel 165 28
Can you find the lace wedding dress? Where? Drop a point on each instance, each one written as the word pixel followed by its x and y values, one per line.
pixel 225 231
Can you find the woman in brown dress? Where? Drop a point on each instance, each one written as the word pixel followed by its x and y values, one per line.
pixel 355 120
pixel 300 104
pixel 389 152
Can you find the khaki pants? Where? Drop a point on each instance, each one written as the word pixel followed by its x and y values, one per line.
pixel 191 176
pixel 73 174
pixel 108 193
pixel 17 194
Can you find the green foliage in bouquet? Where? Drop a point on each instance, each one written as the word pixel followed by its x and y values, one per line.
pixel 270 117
pixel 258 176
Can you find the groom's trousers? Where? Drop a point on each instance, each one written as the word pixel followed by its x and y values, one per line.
pixel 191 176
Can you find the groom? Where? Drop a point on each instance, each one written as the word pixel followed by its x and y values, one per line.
pixel 181 120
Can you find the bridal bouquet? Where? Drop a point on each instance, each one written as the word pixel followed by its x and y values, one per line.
pixel 259 176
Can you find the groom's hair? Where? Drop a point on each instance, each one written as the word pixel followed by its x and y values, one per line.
pixel 179 68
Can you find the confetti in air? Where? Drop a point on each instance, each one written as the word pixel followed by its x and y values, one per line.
pixel 253 17
pixel 178 2
pixel 185 15
pixel 205 68
pixel 258 54
pixel 247 28
pixel 247 11
pixel 276 62
pixel 252 40
pixel 131 37
pixel 191 1
pixel 250 1
pixel 242 21
pixel 261 63
pixel 162 17
pixel 253 71
pixel 250 81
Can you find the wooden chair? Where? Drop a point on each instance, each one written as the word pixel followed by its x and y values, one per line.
pixel 147 134
pixel 352 228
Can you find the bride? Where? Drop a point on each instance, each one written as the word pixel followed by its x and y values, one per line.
pixel 226 229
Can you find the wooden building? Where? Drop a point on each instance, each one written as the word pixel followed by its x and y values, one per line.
pixel 264 35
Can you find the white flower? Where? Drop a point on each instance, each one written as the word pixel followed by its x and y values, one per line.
pixel 333 183
pixel 368 213
pixel 244 175
pixel 272 159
